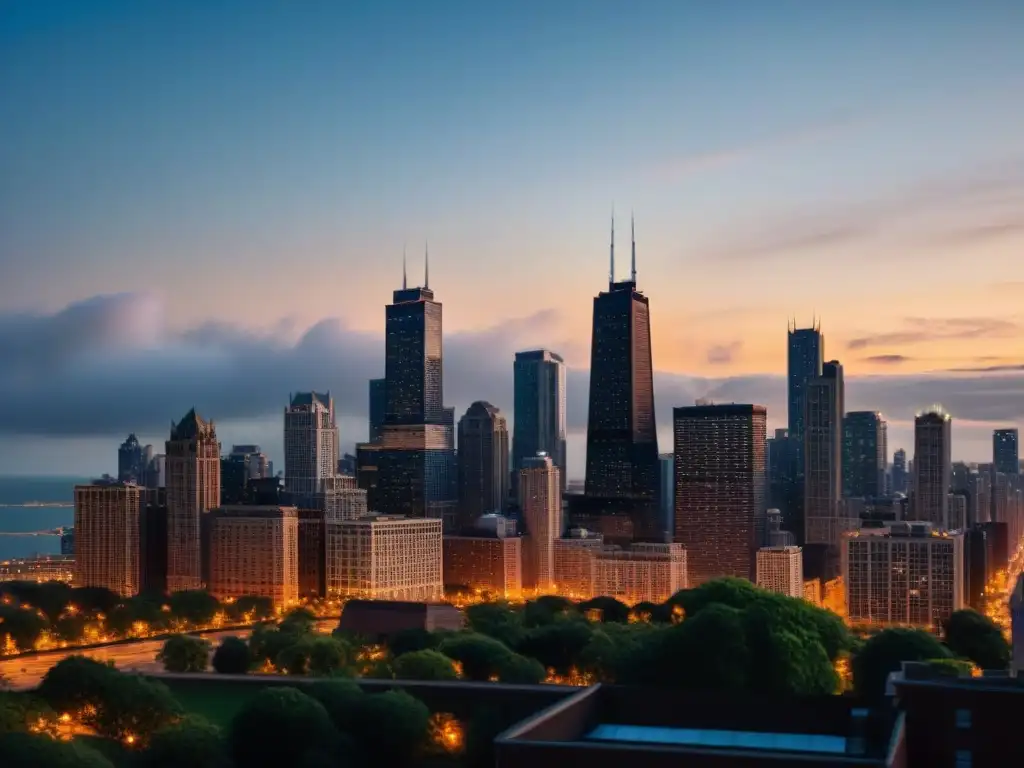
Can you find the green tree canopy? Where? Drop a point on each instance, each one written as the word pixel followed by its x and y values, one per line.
pixel 654 613
pixel 93 600
pixel 19 711
pixel 232 656
pixel 51 597
pixel 522 670
pixel 557 645
pixel 480 656
pixel 299 621
pixel 390 727
pixel 196 606
pixel 23 625
pixel 75 683
pixel 266 644
pixel 885 652
pixel 412 639
pixel 612 649
pixel 498 620
pixel 424 665
pixel 256 607
pixel 24 750
pixel 340 698
pixel 134 706
pixel 610 609
pixel 278 726
pixel 976 637
pixel 189 743
pixel 185 653
pixel 327 656
pixel 546 609
pixel 786 656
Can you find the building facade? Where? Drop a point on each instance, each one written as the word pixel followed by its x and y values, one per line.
pixel 805 356
pixel 385 558
pixel 107 536
pixel 823 455
pixel 378 407
pixel 540 499
pixel 933 466
pixel 1006 451
pixel 865 454
pixel 490 564
pixel 780 570
pixel 643 572
pixel 539 412
pixel 907 574
pixel 310 446
pixel 193 489
pixel 719 474
pixel 254 550
pixel 483 467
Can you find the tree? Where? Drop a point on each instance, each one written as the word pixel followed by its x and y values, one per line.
pixel 327 656
pixel 232 656
pixel 18 712
pixel 413 639
pixel 885 652
pixel 546 609
pixel 424 665
pixel 613 647
pixel 497 620
pixel 70 629
pixel 340 698
pixel 516 668
pixel 729 590
pixel 76 683
pixel 94 600
pixel 391 727
pixel 608 609
pixel 266 644
pixel 299 621
pixel 278 726
pixel 134 707
pixel 653 613
pixel 976 637
pixel 185 653
pixel 189 743
pixel 557 645
pixel 23 625
pixel 196 606
pixel 479 655
pixel 251 608
pixel 786 657
pixel 24 750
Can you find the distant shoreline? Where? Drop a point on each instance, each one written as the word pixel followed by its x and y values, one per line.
pixel 40 505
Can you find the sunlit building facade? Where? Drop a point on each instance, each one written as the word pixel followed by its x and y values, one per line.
pixel 933 466
pixel 107 536
pixel 905 574
pixel 254 550
pixel 192 468
pixel 385 558
pixel 575 558
pixel 805 356
pixel 540 499
pixel 780 570
pixel 642 572
pixel 539 413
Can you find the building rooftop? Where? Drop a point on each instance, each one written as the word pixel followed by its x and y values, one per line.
pixel 705 737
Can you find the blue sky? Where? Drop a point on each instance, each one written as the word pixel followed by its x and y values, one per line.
pixel 261 165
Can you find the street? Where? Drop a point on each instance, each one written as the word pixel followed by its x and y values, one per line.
pixel 27 671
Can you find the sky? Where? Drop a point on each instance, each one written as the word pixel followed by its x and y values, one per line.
pixel 206 204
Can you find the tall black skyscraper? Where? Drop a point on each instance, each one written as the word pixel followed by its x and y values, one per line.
pixel 133 461
pixel 539 394
pixel 805 358
pixel 865 454
pixel 1006 451
pixel 900 474
pixel 378 407
pixel 622 442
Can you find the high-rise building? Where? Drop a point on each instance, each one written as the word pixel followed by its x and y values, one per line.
pixel 378 407
pixel 621 489
pixel 900 475
pixel 1006 451
pixel 132 466
pixel 539 408
pixel 540 489
pixel 385 558
pixel 719 474
pixel 489 563
pixel 781 569
pixel 823 456
pixel 153 542
pixel 903 574
pixel 253 550
pixel 781 475
pixel 483 470
pixel 865 454
pixel 312 552
pixel 804 363
pixel 193 489
pixel 107 536
pixel 667 491
pixel 310 446
pixel 933 466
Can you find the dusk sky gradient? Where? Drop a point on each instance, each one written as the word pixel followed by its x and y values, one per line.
pixel 231 173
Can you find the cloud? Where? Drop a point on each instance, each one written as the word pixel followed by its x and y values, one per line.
pixel 989 369
pixel 921 329
pixel 722 354
pixel 110 365
pixel 888 359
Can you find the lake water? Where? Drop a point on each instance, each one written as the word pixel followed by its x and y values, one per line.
pixel 17 491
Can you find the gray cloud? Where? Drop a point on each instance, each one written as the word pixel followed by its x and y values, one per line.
pixel 109 365
pixel 921 329
pixel 888 359
pixel 721 354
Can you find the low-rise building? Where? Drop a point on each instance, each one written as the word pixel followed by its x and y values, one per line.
pixel 252 550
pixel 491 564
pixel 780 569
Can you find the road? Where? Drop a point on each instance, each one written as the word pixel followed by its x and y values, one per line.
pixel 27 671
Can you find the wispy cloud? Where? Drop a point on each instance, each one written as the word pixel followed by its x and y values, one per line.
pixel 921 329
pixel 888 359
pixel 723 354
pixel 1005 368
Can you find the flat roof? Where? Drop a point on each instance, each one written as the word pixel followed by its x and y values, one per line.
pixel 703 737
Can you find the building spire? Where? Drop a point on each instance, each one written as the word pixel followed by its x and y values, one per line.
pixel 632 237
pixel 405 280
pixel 426 264
pixel 611 271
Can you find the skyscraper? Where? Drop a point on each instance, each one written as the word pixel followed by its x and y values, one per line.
pixel 933 466
pixel 193 489
pixel 540 490
pixel 1006 451
pixel 719 475
pixel 865 454
pixel 539 408
pixel 415 458
pixel 804 361
pixel 900 482
pixel 132 465
pixel 823 455
pixel 310 446
pixel 483 462
pixel 622 441
pixel 378 407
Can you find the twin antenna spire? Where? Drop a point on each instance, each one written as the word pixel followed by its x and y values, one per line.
pixel 426 267
pixel 632 235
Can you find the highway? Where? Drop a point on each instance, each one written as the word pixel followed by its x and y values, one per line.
pixel 27 671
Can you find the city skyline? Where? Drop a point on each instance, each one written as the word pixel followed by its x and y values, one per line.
pixel 889 183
